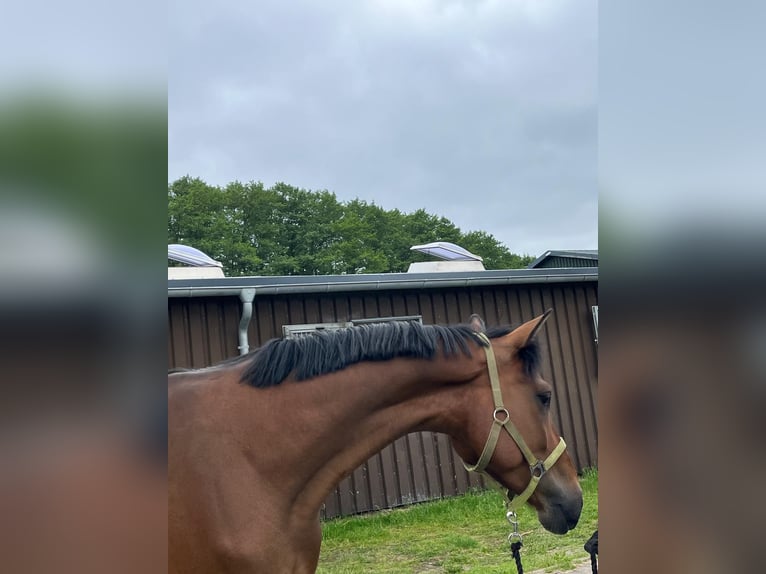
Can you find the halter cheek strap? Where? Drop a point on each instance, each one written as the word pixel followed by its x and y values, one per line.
pixel 501 419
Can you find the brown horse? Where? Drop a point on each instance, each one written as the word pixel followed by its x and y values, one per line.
pixel 258 442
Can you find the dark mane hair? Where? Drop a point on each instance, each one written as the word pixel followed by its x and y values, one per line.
pixel 325 352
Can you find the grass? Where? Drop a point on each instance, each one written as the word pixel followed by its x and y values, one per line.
pixel 462 534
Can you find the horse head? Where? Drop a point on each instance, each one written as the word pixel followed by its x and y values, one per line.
pixel 532 449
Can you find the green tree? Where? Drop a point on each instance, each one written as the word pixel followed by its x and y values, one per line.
pixel 285 230
pixel 495 254
pixel 362 236
pixel 210 219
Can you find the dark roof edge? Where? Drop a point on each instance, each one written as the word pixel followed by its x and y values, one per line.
pixel 265 285
pixel 574 253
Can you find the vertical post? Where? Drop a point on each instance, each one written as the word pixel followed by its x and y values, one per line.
pixel 246 296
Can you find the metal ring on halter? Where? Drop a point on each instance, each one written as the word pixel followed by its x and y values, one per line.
pixel 511 517
pixel 538 469
pixel 504 411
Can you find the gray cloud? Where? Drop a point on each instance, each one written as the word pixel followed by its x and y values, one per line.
pixel 484 112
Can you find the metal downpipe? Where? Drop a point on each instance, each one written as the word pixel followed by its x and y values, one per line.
pixel 246 296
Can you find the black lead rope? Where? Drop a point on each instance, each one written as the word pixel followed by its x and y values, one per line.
pixel 591 547
pixel 515 547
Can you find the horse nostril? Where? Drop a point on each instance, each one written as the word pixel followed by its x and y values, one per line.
pixel 573 514
pixel 571 511
pixel 573 520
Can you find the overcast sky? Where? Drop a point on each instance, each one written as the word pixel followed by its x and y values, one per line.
pixel 484 112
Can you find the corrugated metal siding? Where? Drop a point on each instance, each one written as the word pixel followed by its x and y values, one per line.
pixel 420 466
pixel 202 330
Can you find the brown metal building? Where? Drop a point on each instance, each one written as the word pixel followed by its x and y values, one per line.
pixel 212 319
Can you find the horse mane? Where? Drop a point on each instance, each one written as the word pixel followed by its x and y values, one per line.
pixel 324 352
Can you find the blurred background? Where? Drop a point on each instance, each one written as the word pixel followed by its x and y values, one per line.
pixel 682 347
pixel 83 162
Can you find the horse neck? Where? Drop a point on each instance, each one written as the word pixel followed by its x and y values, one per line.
pixel 344 418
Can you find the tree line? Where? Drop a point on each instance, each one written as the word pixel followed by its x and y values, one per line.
pixel 284 230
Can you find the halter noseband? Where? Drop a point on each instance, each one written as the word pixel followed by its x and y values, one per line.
pixel 501 419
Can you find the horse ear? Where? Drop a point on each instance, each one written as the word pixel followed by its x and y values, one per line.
pixel 524 334
pixel 477 323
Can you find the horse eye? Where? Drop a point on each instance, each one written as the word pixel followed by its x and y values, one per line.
pixel 545 399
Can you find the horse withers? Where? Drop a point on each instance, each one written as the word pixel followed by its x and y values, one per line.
pixel 258 442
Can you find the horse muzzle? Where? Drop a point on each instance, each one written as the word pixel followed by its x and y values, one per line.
pixel 560 514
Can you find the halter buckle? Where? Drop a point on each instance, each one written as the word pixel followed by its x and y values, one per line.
pixel 538 469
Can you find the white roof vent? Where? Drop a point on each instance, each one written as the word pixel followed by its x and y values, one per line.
pixel 202 266
pixel 191 256
pixel 446 250
pixel 455 258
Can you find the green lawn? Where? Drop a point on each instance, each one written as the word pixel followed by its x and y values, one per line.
pixel 461 534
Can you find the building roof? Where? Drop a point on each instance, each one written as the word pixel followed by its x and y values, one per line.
pixel 584 254
pixel 374 281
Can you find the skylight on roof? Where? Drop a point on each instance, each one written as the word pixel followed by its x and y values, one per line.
pixel 446 250
pixel 191 256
